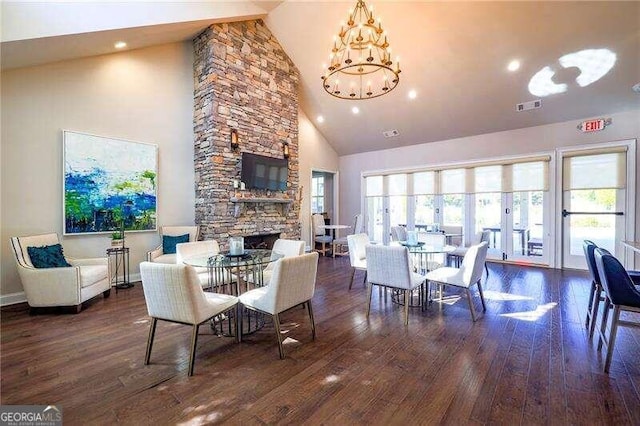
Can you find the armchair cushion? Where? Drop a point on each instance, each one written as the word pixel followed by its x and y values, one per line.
pixel 47 256
pixel 166 258
pixel 91 274
pixel 169 242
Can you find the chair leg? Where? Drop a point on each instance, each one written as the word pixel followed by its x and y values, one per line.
pixel 364 282
pixel 473 310
pixel 595 305
pixel 484 306
pixel 276 324
pixel 590 305
pixel 369 291
pixel 603 324
pixel 313 322
pixel 194 342
pixel 612 337
pixel 353 274
pixel 152 333
pixel 407 294
pixel 486 268
pixel 239 312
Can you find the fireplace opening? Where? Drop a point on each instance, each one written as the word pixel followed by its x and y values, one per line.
pixel 261 241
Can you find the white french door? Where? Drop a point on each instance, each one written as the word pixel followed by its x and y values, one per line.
pixel 597 200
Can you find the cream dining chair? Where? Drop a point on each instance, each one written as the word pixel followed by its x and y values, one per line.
pixel 390 267
pixel 357 255
pixel 341 242
pixel 281 248
pixel 173 293
pixel 293 282
pixel 468 275
pixel 319 234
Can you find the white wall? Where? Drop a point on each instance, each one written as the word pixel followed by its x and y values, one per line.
pixel 23 20
pixel 625 125
pixel 315 153
pixel 141 95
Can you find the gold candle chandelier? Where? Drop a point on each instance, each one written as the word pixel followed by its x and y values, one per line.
pixel 360 65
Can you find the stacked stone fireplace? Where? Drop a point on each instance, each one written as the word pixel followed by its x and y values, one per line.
pixel 245 82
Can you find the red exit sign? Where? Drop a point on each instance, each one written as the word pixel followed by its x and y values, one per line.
pixel 594 125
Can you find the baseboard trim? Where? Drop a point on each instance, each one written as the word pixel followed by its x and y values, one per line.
pixel 12 298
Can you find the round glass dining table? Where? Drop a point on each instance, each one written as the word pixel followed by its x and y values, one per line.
pixel 423 262
pixel 231 274
pixel 224 269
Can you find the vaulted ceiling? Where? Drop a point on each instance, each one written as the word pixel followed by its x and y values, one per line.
pixel 453 54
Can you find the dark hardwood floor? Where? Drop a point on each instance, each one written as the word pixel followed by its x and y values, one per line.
pixel 527 361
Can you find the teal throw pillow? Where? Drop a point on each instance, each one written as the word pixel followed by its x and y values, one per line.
pixel 47 257
pixel 169 242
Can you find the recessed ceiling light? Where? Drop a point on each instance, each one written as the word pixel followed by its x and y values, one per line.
pixel 120 45
pixel 320 119
pixel 355 110
pixel 412 94
pixel 514 65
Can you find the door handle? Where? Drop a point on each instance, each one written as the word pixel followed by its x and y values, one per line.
pixel 566 213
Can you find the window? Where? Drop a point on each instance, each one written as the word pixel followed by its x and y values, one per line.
pixel 317 194
pixel 505 198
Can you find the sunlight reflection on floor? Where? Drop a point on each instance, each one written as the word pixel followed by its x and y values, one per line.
pixel 532 315
pixel 496 295
pixel 201 420
pixel 332 378
pixel 289 340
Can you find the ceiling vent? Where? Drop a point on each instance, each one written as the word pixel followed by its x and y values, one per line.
pixel 391 133
pixel 526 106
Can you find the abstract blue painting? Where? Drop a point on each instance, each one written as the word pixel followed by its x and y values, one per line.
pixel 108 183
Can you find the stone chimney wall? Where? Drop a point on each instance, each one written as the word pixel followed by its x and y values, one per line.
pixel 243 80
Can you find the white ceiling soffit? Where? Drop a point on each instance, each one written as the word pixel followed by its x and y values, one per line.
pixel 40 32
pixel 455 55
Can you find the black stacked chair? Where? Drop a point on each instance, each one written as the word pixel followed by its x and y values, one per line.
pixel 620 294
pixel 595 295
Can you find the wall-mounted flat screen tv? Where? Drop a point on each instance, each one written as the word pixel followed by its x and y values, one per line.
pixel 262 172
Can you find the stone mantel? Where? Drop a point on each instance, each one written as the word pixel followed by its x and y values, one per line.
pixel 283 203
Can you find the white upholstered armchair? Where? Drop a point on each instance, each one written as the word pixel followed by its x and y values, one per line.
pixel 63 286
pixel 158 254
